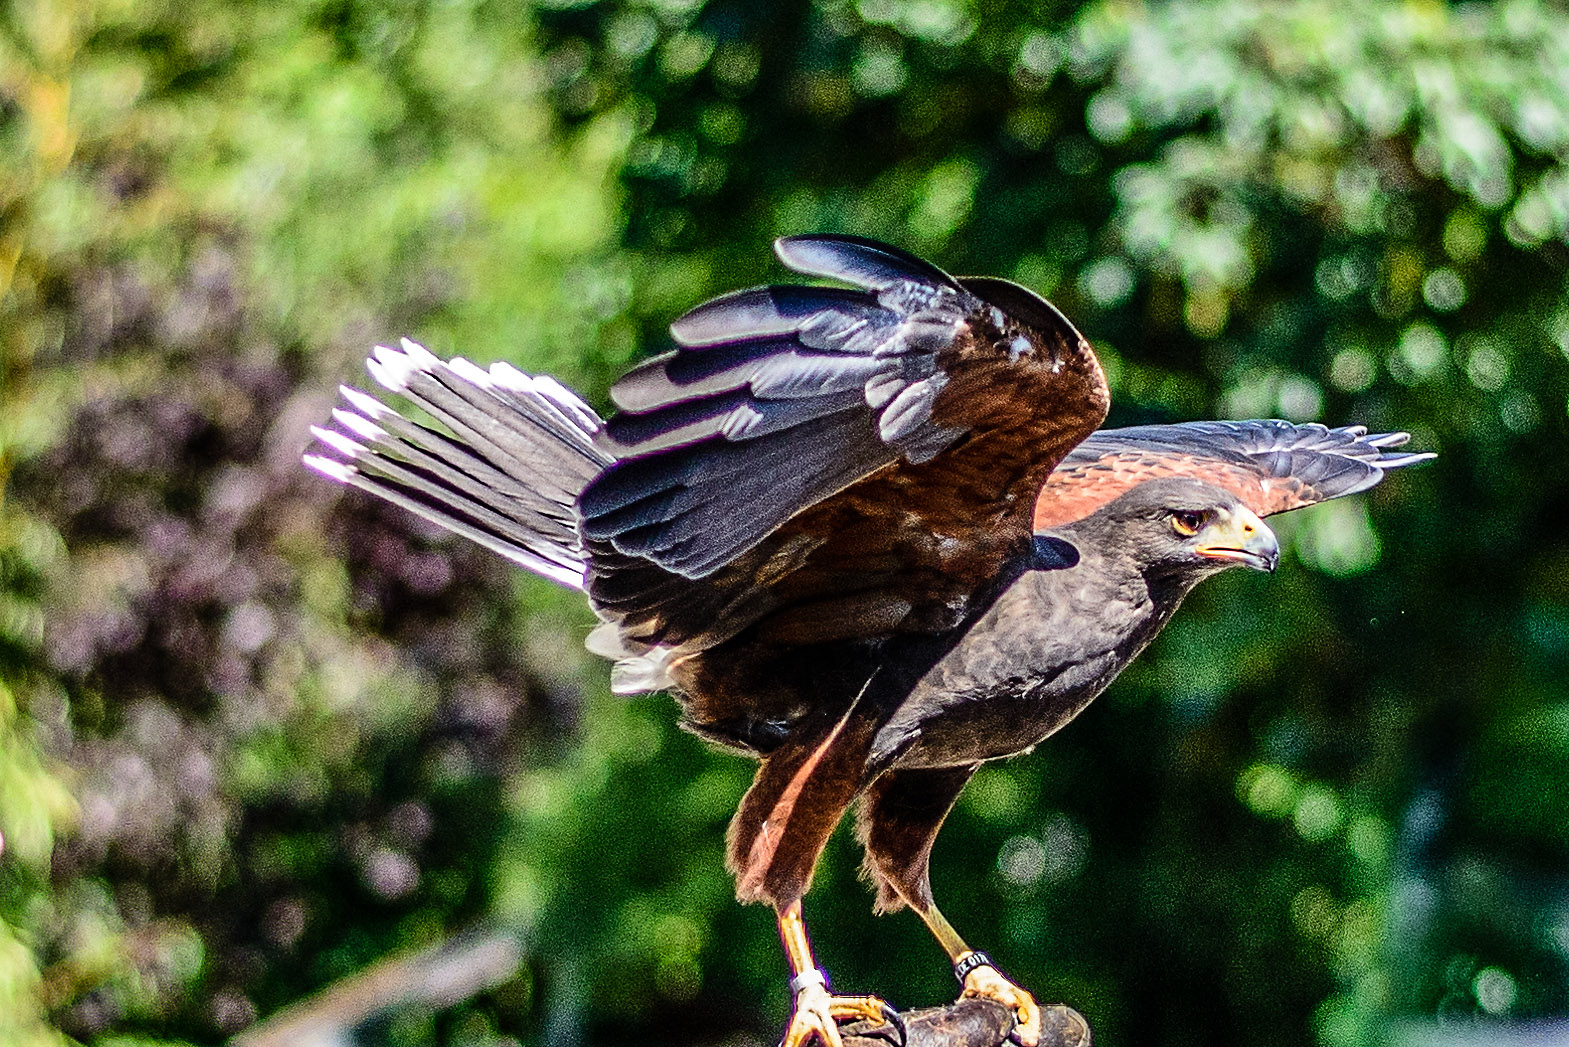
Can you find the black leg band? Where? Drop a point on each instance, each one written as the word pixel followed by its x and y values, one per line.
pixel 969 962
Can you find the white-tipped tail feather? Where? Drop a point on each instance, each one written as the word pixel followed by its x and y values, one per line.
pixel 516 452
pixel 505 469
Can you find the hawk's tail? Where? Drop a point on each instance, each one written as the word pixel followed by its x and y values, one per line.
pixel 512 455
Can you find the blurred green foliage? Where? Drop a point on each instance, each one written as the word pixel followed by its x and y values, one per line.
pixel 256 734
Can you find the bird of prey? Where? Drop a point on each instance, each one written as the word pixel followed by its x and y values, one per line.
pixel 866 533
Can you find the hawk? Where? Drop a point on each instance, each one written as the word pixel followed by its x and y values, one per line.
pixel 866 533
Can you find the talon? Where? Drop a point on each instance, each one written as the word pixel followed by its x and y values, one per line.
pixel 818 1014
pixel 988 982
pixel 895 1020
pixel 863 1008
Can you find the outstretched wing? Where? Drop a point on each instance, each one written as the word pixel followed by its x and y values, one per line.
pixel 806 443
pixel 1273 466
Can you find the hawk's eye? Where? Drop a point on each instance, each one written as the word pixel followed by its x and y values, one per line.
pixel 1187 521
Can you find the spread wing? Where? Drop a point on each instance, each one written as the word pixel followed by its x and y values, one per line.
pixel 1272 466
pixel 868 452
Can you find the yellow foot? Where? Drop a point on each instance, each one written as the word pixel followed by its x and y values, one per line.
pixel 818 1014
pixel 988 982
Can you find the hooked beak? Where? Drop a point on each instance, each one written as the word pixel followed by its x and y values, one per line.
pixel 1240 537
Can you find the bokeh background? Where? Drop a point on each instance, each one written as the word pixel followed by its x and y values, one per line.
pixel 268 745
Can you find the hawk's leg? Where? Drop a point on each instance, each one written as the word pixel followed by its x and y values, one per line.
pixel 897 823
pixel 799 795
pixel 816 1012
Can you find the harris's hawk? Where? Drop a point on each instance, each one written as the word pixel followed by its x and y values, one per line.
pixel 868 534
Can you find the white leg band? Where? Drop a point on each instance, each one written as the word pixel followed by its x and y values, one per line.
pixel 814 976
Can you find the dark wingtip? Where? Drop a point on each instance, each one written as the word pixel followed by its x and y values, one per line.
pixel 716 320
pixel 1394 460
pixel 856 260
pixel 1400 461
pixel 757 312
